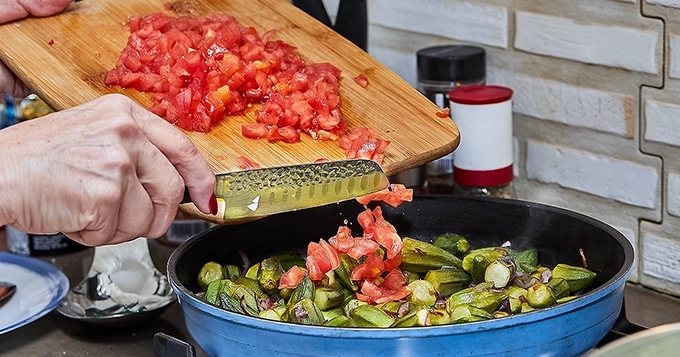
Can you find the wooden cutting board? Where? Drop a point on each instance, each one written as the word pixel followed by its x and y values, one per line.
pixel 65 57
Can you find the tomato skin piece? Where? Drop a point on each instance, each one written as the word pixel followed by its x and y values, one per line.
pixel 315 251
pixel 313 269
pixel 366 221
pixel 374 294
pixel 394 280
pixel 372 267
pixel 331 254
pixel 342 241
pixel 394 195
pixel 292 278
pixel 363 247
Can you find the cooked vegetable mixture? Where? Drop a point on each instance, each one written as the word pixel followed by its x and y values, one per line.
pixel 401 283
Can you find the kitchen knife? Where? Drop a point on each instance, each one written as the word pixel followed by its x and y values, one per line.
pixel 266 191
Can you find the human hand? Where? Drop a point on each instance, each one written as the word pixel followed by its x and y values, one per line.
pixel 104 172
pixel 11 10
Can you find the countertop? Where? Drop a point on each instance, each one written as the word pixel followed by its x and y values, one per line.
pixel 54 335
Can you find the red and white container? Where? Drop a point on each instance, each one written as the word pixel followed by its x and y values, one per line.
pixel 483 161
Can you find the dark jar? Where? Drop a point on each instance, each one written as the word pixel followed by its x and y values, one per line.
pixel 39 245
pixel 440 69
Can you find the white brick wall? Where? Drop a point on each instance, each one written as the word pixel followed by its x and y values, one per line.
pixel 660 258
pixel 662 122
pixel 670 3
pixel 673 194
pixel 589 43
pixel 568 104
pixel 459 20
pixel 619 180
pixel 577 66
pixel 674 56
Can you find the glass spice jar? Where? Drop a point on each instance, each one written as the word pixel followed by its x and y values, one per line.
pixel 440 69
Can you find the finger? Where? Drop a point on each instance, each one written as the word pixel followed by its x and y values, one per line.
pixel 181 152
pixel 15 9
pixel 10 84
pixel 136 212
pixel 163 186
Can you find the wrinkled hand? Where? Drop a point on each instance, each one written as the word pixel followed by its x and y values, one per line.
pixel 104 172
pixel 11 10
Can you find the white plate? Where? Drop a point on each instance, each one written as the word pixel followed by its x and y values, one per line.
pixel 40 288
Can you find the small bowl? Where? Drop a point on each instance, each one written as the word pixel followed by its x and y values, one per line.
pixel 122 287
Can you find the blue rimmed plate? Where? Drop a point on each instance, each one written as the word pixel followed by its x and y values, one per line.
pixel 40 288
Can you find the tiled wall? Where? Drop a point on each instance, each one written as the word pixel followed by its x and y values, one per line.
pixel 596 104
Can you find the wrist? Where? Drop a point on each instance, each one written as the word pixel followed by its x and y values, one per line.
pixel 8 177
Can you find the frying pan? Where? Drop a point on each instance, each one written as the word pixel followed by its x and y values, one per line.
pixel 565 330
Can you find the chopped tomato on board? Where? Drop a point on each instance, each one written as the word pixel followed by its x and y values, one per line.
pixel 444 113
pixel 245 163
pixel 201 68
pixel 361 80
pixel 363 143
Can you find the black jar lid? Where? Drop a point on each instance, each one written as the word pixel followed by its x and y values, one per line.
pixel 451 63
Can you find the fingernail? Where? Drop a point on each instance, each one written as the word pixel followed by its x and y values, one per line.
pixel 213 204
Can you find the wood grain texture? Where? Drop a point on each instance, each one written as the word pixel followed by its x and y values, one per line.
pixel 65 57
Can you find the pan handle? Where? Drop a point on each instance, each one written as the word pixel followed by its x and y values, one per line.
pixel 165 345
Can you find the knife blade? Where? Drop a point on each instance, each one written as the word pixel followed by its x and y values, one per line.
pixel 270 190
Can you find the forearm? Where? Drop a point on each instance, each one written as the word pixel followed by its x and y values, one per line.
pixel 10 172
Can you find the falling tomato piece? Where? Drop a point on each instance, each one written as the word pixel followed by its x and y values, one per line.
pixel 444 113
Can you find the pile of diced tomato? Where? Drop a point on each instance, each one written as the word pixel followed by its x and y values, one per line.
pixel 199 69
pixel 378 250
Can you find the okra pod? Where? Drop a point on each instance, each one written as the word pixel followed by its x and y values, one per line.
pixel 231 272
pixel 499 273
pixel 491 253
pixel 306 312
pixel 209 272
pixel 419 257
pixel 344 270
pixel 526 260
pixel 327 298
pixel 453 243
pixel 422 293
pixel 540 295
pixel 371 316
pixel 578 278
pixel 448 281
pixel 467 313
pixel 269 274
pixel 559 286
pixel 478 296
